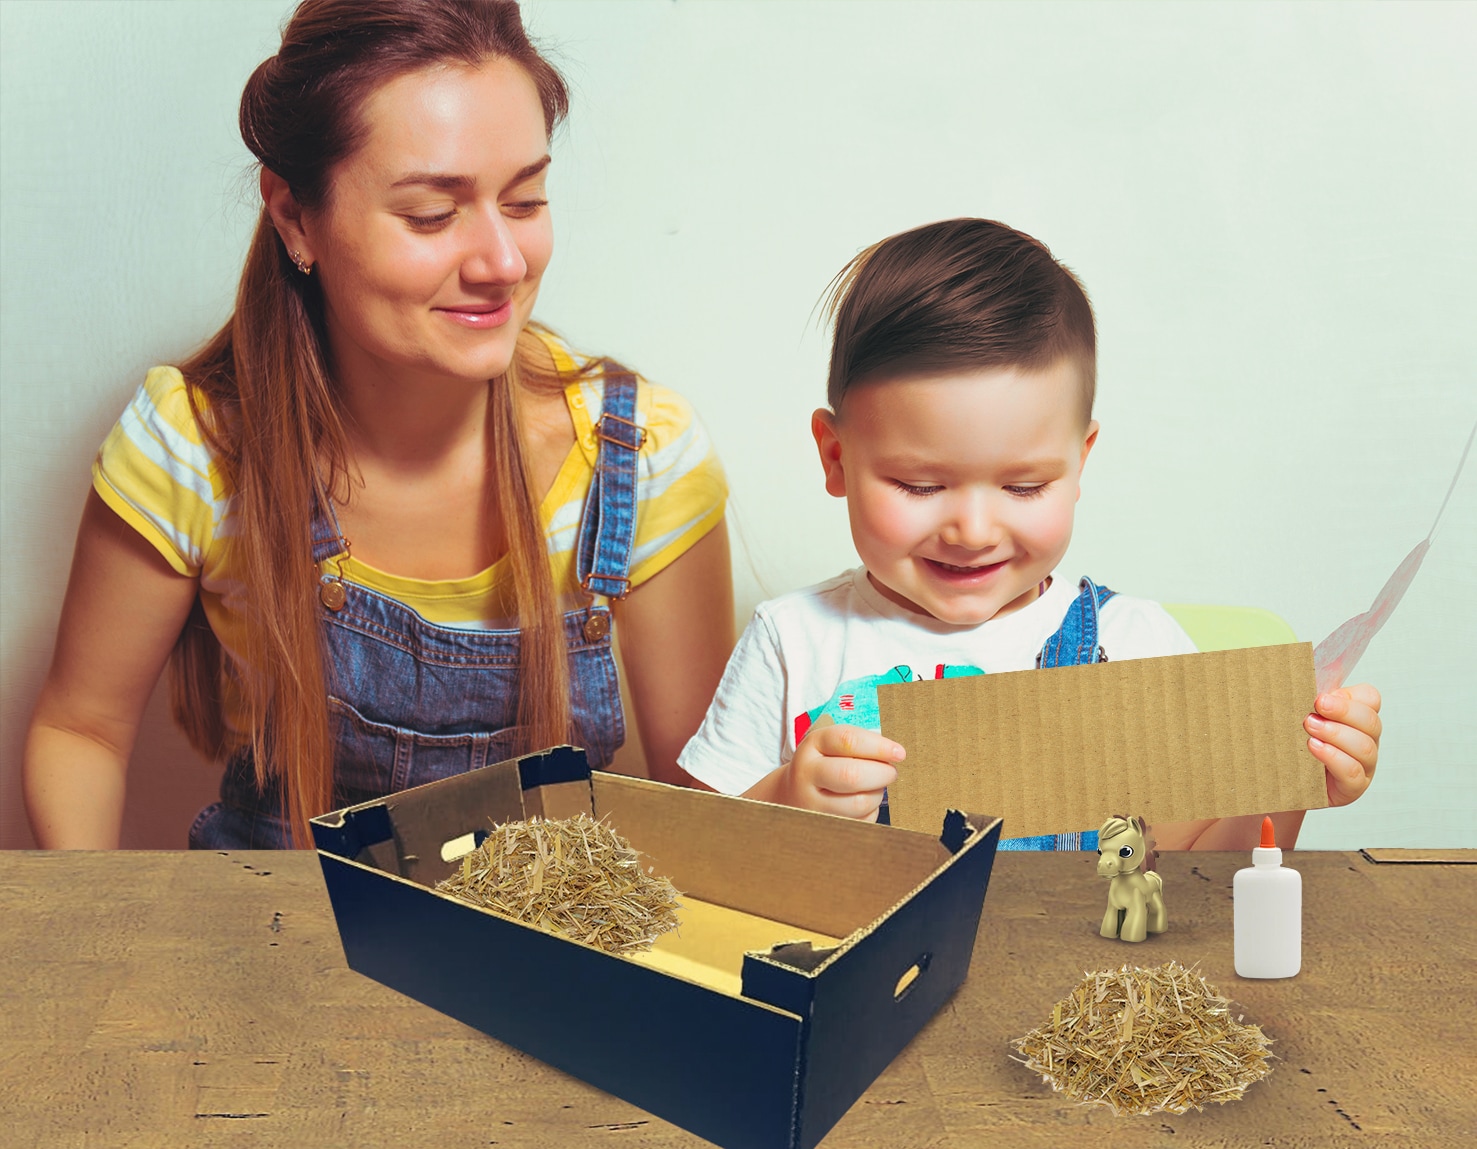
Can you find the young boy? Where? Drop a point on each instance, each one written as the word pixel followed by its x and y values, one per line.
pixel 961 390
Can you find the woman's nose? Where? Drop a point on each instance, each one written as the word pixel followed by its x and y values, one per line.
pixel 493 255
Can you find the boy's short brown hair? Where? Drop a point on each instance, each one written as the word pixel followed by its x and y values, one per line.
pixel 958 295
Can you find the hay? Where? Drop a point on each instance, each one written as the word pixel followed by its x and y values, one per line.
pixel 574 877
pixel 1144 1041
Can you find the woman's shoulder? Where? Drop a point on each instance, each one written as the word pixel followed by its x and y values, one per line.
pixel 666 415
pixel 157 470
pixel 164 415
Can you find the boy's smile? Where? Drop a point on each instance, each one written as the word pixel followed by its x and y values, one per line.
pixel 960 487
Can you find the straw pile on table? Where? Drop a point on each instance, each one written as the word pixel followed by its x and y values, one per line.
pixel 1146 1040
pixel 574 877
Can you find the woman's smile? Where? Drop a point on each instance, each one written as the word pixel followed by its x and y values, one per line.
pixel 478 316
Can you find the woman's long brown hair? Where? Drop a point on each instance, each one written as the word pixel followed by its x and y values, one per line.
pixel 264 395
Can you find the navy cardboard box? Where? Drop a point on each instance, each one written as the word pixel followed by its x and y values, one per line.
pixel 811 948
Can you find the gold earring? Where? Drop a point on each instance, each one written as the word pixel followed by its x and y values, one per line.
pixel 300 263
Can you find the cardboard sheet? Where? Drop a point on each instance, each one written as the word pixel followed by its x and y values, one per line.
pixel 1054 751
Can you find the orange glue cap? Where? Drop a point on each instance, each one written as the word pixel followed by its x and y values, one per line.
pixel 1269 834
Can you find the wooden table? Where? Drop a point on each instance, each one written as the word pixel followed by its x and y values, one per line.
pixel 201 999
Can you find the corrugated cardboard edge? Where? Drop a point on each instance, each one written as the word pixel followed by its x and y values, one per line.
pixel 1381 856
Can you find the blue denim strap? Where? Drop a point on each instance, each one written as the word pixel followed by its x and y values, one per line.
pixel 1076 643
pixel 608 524
pixel 328 539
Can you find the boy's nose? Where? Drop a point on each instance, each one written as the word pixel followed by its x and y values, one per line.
pixel 973 525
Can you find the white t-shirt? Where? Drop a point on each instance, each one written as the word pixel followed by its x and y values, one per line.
pixel 828 646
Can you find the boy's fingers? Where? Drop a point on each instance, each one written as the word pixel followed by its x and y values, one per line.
pixel 1356 706
pixel 862 805
pixel 854 776
pixel 1348 738
pixel 1344 775
pixel 857 742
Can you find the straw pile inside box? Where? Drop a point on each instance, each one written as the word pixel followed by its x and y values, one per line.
pixel 575 877
pixel 1146 1040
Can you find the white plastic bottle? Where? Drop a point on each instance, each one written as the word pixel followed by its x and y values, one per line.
pixel 1268 911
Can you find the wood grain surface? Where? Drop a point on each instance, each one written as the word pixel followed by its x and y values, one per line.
pixel 201 999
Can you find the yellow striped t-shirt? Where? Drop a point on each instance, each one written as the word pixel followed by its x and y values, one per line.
pixel 157 472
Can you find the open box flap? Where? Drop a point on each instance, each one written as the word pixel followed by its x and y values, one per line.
pixel 423 820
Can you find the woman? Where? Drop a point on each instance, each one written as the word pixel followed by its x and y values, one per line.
pixel 378 524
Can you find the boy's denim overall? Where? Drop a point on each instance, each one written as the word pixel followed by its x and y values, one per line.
pixel 1074 644
pixel 410 702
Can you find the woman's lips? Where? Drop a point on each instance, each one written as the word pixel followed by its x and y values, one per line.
pixel 479 316
pixel 963 575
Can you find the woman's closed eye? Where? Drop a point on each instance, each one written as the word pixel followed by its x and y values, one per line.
pixel 524 209
pixel 431 222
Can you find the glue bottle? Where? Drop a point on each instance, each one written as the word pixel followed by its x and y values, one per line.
pixel 1268 913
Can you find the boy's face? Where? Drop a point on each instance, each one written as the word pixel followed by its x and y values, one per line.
pixel 960 487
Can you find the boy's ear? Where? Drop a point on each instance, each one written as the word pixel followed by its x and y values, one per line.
pixel 287 215
pixel 823 427
pixel 1087 445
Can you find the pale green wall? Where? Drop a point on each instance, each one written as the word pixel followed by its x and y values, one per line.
pixel 1270 205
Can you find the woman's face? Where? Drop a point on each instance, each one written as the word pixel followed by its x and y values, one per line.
pixel 436 232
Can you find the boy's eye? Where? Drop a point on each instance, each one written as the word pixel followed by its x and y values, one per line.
pixel 917 491
pixel 1025 492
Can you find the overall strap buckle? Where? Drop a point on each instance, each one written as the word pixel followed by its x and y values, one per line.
pixel 627 429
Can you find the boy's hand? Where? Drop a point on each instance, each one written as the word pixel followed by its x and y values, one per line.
pixel 841 770
pixel 1345 737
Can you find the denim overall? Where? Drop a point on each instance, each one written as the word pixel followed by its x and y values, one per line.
pixel 1074 644
pixel 411 702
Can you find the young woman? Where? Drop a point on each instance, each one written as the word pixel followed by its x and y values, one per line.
pixel 379 524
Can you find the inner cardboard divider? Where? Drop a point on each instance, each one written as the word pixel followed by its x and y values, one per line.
pixel 823 875
pixel 709 945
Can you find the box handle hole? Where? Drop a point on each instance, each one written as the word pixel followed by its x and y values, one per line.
pixel 455 848
pixel 910 977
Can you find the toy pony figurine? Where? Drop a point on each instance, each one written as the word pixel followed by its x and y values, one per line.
pixel 1135 897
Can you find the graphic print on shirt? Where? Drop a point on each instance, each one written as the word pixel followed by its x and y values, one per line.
pixel 854 702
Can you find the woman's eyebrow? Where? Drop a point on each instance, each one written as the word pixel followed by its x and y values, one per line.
pixel 444 182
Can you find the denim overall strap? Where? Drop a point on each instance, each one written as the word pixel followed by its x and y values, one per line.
pixel 608 524
pixel 1076 643
pixel 328 539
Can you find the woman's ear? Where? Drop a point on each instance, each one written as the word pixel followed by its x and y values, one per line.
pixel 823 428
pixel 287 218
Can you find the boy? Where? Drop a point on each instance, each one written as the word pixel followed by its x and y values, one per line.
pixel 961 390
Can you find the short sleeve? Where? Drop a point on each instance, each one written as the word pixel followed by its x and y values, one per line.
pixel 156 472
pixel 680 486
pixel 742 737
pixel 1139 628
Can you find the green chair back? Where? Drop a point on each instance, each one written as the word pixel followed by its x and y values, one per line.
pixel 1230 627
